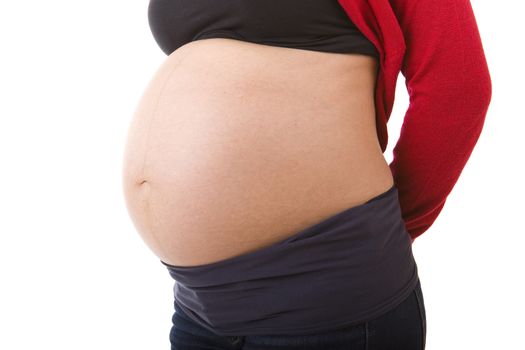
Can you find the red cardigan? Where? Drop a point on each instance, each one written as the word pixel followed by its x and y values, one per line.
pixel 437 47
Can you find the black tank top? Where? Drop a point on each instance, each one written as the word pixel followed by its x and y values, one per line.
pixel 319 25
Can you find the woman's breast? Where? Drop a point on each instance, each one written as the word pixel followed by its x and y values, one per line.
pixel 235 146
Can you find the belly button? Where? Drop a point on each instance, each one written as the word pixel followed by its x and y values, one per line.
pixel 144 187
pixel 143 183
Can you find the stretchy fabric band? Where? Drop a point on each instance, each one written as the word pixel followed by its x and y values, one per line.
pixel 349 268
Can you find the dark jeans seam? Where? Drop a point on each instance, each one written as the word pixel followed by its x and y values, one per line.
pixel 366 335
pixel 421 316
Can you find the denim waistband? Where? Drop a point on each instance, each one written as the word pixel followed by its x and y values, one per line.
pixel 346 269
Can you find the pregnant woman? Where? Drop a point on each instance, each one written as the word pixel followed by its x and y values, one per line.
pixel 254 164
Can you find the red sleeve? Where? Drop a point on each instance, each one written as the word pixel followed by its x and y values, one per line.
pixel 449 87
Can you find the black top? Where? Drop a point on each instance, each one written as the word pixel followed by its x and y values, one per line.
pixel 319 25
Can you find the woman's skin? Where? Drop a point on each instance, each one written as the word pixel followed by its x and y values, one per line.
pixel 235 146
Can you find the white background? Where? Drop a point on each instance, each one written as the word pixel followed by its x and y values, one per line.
pixel 74 274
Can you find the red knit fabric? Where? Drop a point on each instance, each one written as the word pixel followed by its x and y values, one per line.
pixel 437 47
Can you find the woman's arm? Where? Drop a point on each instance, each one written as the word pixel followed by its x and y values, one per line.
pixel 450 89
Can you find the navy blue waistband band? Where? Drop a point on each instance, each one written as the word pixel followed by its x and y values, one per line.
pixel 350 267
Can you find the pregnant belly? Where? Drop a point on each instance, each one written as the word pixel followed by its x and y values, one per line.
pixel 235 146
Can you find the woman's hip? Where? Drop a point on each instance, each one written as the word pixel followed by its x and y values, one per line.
pixel 403 327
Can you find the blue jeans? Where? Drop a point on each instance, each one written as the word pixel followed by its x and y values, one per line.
pixel 402 328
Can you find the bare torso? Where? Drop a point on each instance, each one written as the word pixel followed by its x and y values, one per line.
pixel 235 146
